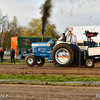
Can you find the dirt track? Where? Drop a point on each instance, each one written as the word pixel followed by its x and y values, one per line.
pixel 43 92
pixel 49 70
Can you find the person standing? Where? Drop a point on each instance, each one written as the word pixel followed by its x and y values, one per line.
pixel 12 54
pixel 1 55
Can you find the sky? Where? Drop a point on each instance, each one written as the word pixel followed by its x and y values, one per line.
pixel 65 13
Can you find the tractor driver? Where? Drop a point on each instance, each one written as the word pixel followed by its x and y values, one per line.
pixel 62 38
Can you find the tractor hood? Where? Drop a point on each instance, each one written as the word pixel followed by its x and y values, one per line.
pixel 50 43
pixel 39 44
pixel 42 48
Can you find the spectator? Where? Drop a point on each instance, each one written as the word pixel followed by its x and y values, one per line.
pixel 1 55
pixel 12 54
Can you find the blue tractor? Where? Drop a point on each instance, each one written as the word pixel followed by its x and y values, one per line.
pixel 62 54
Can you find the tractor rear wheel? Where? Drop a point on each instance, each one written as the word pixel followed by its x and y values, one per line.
pixel 30 60
pixel 89 63
pixel 63 55
pixel 40 62
pixel 76 60
pixel 77 49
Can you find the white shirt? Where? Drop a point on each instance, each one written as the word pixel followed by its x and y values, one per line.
pixel 60 38
pixel 73 40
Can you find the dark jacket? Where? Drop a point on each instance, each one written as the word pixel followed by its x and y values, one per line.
pixel 1 53
pixel 12 53
pixel 63 38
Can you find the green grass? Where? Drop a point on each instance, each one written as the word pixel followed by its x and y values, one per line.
pixel 53 78
pixel 54 84
pixel 17 60
pixel 20 62
pixel 48 78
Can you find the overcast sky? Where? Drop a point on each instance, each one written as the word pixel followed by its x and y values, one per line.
pixel 64 12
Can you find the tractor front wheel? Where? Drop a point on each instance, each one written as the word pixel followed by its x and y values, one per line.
pixel 40 62
pixel 30 60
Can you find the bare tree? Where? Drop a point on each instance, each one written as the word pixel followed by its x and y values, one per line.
pixel 14 27
pixel 3 26
pixel 13 30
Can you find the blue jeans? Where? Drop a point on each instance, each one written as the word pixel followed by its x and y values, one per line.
pixel 1 59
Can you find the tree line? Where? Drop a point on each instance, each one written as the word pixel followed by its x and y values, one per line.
pixel 14 29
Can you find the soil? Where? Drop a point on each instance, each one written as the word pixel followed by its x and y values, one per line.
pixel 49 70
pixel 43 92
pixel 47 92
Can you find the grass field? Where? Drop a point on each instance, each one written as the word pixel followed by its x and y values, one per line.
pixel 44 80
pixel 22 61
pixel 49 78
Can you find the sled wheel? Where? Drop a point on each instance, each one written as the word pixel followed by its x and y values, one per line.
pixel 62 55
pixel 89 63
pixel 40 62
pixel 30 60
